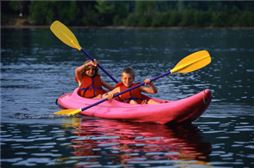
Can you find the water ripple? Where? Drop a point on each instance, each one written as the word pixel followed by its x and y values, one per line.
pixel 35 70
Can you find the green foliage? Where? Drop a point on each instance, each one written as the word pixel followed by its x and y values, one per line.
pixel 42 12
pixel 145 7
pixel 45 12
pixel 106 10
pixel 187 18
pixel 131 20
pixel 173 18
pixel 105 7
pixel 111 12
pixel 245 19
pixel 15 6
pixel 86 14
pixel 134 13
pixel 121 13
pixel 67 11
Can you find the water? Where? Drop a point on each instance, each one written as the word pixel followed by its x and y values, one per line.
pixel 36 68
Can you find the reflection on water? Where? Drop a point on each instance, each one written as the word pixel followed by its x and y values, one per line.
pixel 89 142
pixel 107 142
pixel 96 143
pixel 36 68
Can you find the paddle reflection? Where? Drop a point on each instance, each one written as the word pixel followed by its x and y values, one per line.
pixel 133 143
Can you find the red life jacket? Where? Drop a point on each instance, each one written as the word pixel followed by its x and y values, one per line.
pixel 91 87
pixel 131 95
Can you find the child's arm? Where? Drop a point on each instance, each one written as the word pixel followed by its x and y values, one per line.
pixel 78 74
pixel 149 87
pixel 109 95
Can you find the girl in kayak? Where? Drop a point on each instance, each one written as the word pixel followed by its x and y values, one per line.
pixel 89 81
pixel 134 96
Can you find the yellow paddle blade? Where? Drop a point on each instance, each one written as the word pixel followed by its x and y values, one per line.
pixel 192 62
pixel 68 112
pixel 64 34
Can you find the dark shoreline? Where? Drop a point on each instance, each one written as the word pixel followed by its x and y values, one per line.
pixel 117 27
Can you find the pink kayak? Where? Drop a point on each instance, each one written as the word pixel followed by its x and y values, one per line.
pixel 175 112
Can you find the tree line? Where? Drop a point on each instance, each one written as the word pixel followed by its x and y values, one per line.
pixel 132 13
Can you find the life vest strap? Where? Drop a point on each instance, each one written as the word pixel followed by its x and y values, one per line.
pixel 135 98
pixel 91 88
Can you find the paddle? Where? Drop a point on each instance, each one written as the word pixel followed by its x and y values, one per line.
pixel 64 34
pixel 190 63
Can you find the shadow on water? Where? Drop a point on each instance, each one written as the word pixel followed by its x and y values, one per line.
pixel 109 142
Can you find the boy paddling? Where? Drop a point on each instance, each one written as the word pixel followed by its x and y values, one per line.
pixel 134 96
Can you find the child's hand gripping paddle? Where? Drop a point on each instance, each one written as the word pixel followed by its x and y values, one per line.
pixel 188 64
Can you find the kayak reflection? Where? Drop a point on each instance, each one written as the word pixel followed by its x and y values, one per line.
pixel 108 141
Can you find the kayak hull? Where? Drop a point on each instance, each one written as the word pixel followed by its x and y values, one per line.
pixel 174 112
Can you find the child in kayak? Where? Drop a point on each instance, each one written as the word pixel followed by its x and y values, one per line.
pixel 134 96
pixel 89 81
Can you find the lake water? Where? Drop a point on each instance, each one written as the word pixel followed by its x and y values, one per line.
pixel 36 68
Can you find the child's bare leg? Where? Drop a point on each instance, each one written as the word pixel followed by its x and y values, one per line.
pixel 98 97
pixel 151 101
pixel 133 102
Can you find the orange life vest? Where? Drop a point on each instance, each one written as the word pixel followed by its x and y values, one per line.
pixel 131 95
pixel 91 87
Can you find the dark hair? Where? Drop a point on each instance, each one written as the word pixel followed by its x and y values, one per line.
pixel 87 67
pixel 129 70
